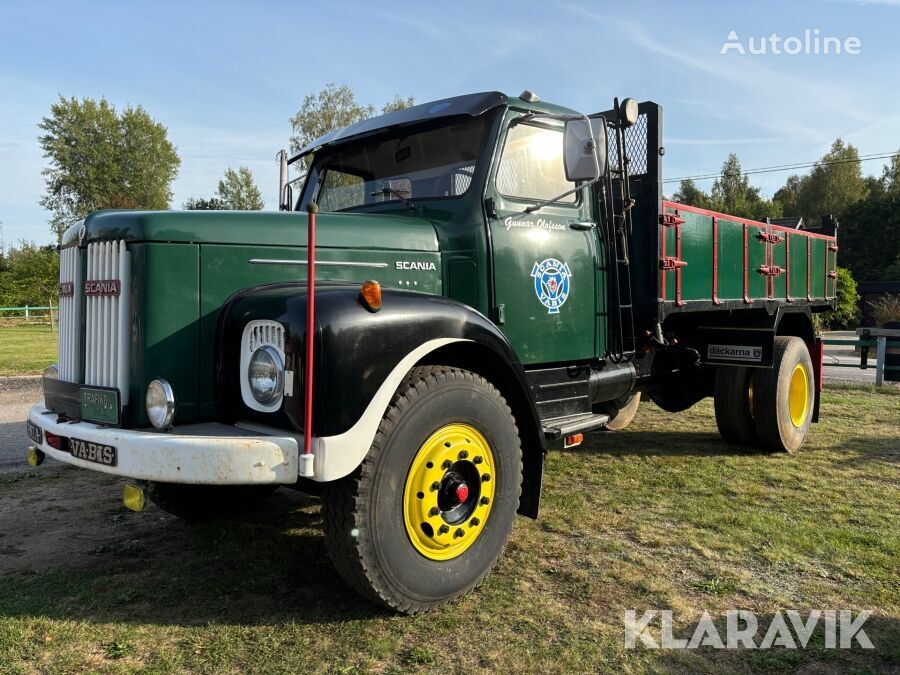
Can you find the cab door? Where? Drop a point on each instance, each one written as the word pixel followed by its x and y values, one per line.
pixel 546 280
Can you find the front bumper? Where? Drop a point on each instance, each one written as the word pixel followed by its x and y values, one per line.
pixel 211 453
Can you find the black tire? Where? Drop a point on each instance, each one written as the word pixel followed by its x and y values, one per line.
pixel 365 531
pixel 207 502
pixel 621 411
pixel 732 402
pixel 772 397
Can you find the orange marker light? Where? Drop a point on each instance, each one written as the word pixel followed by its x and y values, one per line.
pixel 370 294
pixel 573 440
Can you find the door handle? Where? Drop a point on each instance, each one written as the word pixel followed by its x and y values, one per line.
pixel 581 225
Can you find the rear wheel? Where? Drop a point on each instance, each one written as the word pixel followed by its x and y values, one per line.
pixel 733 400
pixel 621 411
pixel 783 397
pixel 205 502
pixel 427 515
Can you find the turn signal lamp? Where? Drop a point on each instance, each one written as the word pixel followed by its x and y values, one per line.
pixel 133 497
pixel 35 456
pixel 574 440
pixel 370 294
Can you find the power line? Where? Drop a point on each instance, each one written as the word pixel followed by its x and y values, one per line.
pixel 786 167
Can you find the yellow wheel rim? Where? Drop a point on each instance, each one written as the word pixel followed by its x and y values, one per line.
pixel 449 492
pixel 798 395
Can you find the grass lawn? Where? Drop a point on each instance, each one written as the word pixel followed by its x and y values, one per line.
pixel 663 515
pixel 26 350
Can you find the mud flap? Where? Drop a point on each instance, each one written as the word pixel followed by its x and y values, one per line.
pixel 817 353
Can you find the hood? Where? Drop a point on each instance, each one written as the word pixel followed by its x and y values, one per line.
pixel 263 228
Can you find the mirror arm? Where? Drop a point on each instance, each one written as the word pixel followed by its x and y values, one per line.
pixel 540 205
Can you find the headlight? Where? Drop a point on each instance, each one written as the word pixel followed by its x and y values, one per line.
pixel 265 375
pixel 160 403
pixel 51 372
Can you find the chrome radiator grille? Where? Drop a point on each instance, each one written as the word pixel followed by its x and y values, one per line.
pixel 70 294
pixel 107 295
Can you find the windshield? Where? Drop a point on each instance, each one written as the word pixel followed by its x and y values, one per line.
pixel 428 164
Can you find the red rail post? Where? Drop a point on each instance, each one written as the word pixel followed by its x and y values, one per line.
pixel 306 461
pixel 715 261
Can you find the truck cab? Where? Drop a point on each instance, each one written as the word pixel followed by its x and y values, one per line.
pixel 457 288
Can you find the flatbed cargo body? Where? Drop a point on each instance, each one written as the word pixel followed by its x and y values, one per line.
pixel 711 260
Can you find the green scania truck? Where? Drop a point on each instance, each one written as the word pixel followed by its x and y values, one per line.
pixel 457 288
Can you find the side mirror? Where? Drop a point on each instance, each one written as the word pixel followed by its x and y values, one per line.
pixel 585 150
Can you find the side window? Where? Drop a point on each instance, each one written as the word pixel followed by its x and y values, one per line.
pixel 341 190
pixel 531 166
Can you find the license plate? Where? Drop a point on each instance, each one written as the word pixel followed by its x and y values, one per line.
pixel 100 405
pixel 35 433
pixel 93 452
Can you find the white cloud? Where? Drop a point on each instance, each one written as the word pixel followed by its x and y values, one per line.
pixel 786 92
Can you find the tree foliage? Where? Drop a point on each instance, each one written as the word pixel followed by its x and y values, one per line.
pixel 238 191
pixel 99 159
pixel 397 103
pixel 846 312
pixel 869 236
pixel 332 108
pixel 201 204
pixel 732 193
pixel 834 185
pixel 688 193
pixel 29 275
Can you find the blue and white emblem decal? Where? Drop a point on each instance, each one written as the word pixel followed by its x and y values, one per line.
pixel 551 283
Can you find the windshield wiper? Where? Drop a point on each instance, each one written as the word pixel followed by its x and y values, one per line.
pixel 388 191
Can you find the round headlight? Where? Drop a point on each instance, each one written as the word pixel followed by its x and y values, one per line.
pixel 160 403
pixel 51 372
pixel 265 375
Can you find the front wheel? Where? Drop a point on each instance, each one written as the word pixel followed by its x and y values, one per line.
pixel 429 511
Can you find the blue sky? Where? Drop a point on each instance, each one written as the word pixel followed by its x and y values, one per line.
pixel 225 77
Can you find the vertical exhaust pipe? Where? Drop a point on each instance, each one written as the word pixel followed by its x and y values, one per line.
pixel 306 459
pixel 282 180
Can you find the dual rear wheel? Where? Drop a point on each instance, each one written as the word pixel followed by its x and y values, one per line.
pixel 770 408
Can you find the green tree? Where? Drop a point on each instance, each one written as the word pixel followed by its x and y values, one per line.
pixel 101 159
pixel 201 204
pixel 688 193
pixel 31 276
pixel 238 191
pixel 846 312
pixel 397 103
pixel 869 236
pixel 732 193
pixel 892 271
pixel 833 185
pixel 890 176
pixel 788 197
pixel 332 108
